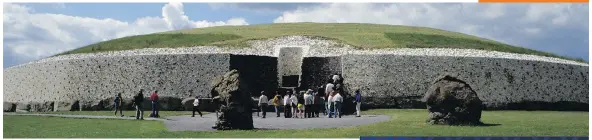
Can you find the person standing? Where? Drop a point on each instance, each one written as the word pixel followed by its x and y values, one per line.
pixel 308 102
pixel 316 104
pixel 276 103
pixel 263 103
pixel 338 100
pixel 138 99
pixel 154 99
pixel 358 102
pixel 118 103
pixel 287 105
pixel 330 104
pixel 294 101
pixel 196 107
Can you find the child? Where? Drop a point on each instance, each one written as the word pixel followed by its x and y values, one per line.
pixel 301 110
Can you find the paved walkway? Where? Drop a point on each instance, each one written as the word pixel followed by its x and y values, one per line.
pixel 205 123
pixel 188 123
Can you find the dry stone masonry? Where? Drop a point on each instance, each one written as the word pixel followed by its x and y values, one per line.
pixel 393 78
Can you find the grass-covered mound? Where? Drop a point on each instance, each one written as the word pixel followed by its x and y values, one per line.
pixel 358 35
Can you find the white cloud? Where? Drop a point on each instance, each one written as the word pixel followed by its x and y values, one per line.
pixel 516 24
pixel 29 35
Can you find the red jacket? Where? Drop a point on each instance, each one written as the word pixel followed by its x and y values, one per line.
pixel 154 97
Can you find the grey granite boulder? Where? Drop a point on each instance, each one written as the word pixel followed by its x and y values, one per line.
pixel 72 105
pixel 452 101
pixel 9 107
pixel 91 105
pixel 170 103
pixel 231 93
pixel 42 106
pixel 188 103
pixel 23 107
pixel 108 103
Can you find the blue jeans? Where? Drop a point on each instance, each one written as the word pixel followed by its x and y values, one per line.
pixel 327 110
pixel 154 108
pixel 277 110
pixel 337 109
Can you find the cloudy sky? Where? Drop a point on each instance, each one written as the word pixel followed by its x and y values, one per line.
pixel 34 31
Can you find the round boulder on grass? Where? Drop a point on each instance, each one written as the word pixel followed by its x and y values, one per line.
pixel 451 101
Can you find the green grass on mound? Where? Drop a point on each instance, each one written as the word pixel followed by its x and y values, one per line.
pixel 363 36
pixel 155 41
pixel 402 123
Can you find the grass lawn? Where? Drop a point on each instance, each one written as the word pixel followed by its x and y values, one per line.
pixel 126 113
pixel 368 36
pixel 402 123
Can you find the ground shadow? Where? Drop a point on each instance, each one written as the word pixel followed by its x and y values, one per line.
pixel 265 129
pixel 488 124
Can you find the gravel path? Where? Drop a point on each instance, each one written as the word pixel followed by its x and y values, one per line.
pixel 205 123
pixel 188 123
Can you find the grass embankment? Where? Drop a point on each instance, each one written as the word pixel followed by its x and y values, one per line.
pixel 402 123
pixel 367 36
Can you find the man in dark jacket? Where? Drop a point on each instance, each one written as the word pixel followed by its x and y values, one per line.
pixel 138 99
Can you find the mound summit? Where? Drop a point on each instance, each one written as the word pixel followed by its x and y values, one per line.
pixel 357 35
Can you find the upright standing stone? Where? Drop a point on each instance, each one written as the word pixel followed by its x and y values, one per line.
pixel 235 102
pixel 452 101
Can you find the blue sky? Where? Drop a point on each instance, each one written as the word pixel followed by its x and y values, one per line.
pixel 34 31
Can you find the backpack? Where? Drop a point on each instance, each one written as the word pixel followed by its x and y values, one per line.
pixel 276 100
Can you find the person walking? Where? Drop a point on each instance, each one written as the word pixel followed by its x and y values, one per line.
pixel 358 102
pixel 196 107
pixel 338 100
pixel 276 103
pixel 154 99
pixel 263 103
pixel 138 99
pixel 118 102
pixel 287 105
pixel 308 102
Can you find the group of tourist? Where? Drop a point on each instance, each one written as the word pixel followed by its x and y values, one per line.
pixel 137 101
pixel 304 104
pixel 308 104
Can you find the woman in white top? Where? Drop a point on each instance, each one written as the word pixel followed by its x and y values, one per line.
pixel 337 100
pixel 331 105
